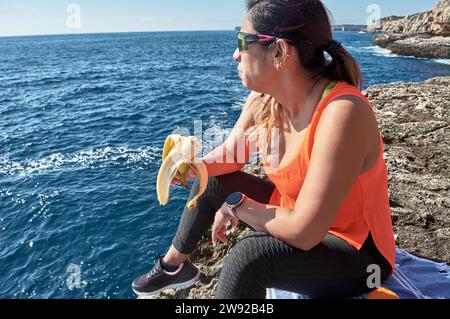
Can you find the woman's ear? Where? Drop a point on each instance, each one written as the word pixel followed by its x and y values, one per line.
pixel 280 53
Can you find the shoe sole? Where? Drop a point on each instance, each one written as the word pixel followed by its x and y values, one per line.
pixel 182 285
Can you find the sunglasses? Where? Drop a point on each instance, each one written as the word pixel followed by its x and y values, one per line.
pixel 245 39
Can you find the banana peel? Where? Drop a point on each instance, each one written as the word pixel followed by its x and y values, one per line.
pixel 178 156
pixel 170 143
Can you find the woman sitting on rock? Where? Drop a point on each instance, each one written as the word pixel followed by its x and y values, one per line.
pixel 322 221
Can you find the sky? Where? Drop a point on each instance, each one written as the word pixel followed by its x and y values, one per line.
pixel 33 17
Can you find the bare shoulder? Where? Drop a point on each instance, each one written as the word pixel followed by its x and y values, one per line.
pixel 349 121
pixel 349 110
pixel 350 101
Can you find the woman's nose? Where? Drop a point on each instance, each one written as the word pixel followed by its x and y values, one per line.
pixel 237 56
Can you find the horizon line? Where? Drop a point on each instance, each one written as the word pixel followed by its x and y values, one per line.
pixel 106 32
pixel 124 32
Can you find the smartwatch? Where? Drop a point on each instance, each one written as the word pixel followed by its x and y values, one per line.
pixel 234 200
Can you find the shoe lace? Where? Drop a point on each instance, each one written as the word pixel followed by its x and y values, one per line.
pixel 156 268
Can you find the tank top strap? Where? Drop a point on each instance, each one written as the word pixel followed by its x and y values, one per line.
pixel 328 90
pixel 333 91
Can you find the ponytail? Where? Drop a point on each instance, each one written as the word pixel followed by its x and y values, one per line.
pixel 343 66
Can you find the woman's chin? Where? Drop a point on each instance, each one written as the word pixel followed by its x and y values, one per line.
pixel 248 84
pixel 245 83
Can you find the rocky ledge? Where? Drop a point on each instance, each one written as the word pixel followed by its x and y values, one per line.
pixel 425 35
pixel 417 46
pixel 414 119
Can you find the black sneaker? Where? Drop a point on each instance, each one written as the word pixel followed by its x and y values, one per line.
pixel 158 279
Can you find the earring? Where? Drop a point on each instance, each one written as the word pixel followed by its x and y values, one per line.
pixel 281 65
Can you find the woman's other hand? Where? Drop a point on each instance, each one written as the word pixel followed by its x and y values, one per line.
pixel 220 226
pixel 190 174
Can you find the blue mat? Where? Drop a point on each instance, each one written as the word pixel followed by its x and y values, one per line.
pixel 413 278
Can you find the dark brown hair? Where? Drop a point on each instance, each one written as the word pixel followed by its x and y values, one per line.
pixel 306 24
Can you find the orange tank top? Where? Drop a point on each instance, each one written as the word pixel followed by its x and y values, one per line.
pixel 366 207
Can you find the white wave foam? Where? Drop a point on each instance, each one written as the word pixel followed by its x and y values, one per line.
pixel 89 158
pixel 379 51
pixel 443 61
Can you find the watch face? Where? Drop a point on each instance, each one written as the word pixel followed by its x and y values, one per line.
pixel 234 198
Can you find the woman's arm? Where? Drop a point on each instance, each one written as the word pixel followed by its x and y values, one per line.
pixel 341 145
pixel 234 153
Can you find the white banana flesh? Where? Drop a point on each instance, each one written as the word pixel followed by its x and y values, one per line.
pixel 178 156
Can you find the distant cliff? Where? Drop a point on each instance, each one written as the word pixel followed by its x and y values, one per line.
pixel 425 34
pixel 435 22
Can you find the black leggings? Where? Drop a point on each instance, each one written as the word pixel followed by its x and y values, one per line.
pixel 332 269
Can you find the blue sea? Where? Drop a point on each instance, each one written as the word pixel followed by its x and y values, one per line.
pixel 83 119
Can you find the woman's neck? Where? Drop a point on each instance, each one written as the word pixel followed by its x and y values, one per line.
pixel 298 95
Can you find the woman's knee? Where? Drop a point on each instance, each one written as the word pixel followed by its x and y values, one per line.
pixel 217 186
pixel 214 195
pixel 222 183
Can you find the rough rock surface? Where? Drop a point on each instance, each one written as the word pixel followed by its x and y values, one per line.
pixel 414 119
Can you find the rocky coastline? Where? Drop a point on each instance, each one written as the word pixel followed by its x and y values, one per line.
pixel 423 35
pixel 414 119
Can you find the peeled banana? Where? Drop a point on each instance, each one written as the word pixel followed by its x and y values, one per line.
pixel 178 156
